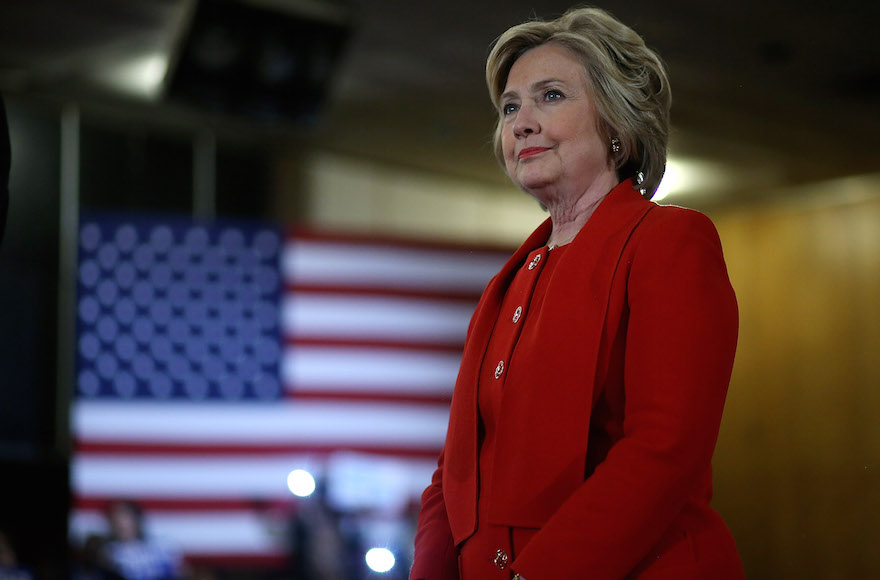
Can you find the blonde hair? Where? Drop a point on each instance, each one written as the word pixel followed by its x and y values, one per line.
pixel 627 80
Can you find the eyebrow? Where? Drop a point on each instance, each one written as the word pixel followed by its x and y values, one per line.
pixel 536 86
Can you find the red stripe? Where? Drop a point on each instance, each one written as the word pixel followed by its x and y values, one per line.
pixel 285 503
pixel 239 561
pixel 372 396
pixel 450 295
pixel 156 504
pixel 305 232
pixel 282 505
pixel 108 448
pixel 299 340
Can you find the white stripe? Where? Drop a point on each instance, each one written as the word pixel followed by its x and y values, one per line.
pixel 236 477
pixel 239 533
pixel 184 477
pixel 372 370
pixel 378 266
pixel 375 318
pixel 300 422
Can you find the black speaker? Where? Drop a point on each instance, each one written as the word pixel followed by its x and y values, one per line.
pixel 246 59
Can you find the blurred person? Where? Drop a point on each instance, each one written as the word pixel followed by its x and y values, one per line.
pixel 131 553
pixel 404 548
pixel 92 562
pixel 322 544
pixel 10 569
pixel 597 362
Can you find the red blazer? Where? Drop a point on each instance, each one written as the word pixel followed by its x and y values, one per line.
pixel 610 411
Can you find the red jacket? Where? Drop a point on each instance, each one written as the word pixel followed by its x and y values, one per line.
pixel 610 411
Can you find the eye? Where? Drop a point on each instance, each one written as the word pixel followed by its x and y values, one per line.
pixel 553 95
pixel 509 108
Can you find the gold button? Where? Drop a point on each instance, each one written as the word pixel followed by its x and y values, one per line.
pixel 517 314
pixel 499 369
pixel 501 559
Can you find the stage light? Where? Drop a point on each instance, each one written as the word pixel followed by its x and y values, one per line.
pixel 380 559
pixel 300 483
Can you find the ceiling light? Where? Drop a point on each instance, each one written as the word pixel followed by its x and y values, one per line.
pixel 688 176
pixel 140 76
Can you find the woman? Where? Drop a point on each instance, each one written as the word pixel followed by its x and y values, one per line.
pixel 596 365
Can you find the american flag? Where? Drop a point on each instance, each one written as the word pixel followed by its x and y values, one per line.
pixel 215 358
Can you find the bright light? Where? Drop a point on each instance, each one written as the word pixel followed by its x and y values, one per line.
pixel 300 483
pixel 379 559
pixel 141 76
pixel 673 179
pixel 689 176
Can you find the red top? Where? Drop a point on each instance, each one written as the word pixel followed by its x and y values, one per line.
pixel 599 464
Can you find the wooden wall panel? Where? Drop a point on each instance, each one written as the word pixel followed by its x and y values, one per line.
pixel 797 467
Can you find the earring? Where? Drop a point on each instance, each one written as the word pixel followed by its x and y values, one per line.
pixel 615 145
pixel 640 179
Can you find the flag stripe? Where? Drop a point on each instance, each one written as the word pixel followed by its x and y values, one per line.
pixel 222 477
pixel 341 394
pixel 299 341
pixel 215 359
pixel 372 317
pixel 178 449
pixel 152 504
pixel 468 297
pixel 371 369
pixel 307 422
pixel 327 263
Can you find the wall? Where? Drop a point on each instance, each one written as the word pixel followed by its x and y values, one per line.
pixel 353 195
pixel 798 460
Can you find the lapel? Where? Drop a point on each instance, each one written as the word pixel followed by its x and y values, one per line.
pixel 462 440
pixel 548 393
pixel 543 427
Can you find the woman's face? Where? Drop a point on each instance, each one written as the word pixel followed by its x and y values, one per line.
pixel 550 136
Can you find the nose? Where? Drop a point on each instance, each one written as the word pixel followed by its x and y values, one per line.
pixel 526 122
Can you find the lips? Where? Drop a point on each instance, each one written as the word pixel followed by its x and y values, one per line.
pixel 531 152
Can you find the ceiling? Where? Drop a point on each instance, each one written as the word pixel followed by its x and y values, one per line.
pixel 766 94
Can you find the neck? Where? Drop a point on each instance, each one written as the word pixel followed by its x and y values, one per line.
pixel 569 214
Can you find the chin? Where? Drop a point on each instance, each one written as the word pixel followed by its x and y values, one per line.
pixel 534 183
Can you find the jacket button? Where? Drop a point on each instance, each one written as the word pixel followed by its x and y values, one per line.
pixel 499 369
pixel 501 559
pixel 517 314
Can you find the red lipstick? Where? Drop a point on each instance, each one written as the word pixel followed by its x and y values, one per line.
pixel 530 151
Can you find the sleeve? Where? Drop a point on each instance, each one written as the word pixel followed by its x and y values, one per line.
pixel 435 557
pixel 680 346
